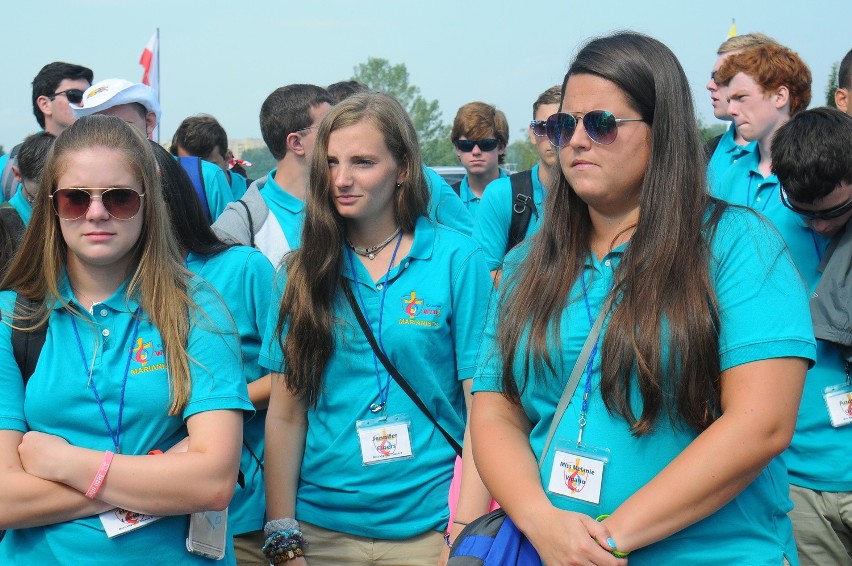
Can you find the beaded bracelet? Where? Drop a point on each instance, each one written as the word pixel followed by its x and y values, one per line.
pixel 616 553
pixel 282 546
pixel 283 524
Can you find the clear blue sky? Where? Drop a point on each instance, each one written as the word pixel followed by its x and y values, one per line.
pixel 224 58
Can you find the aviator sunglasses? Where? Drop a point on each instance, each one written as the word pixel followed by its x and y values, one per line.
pixel 827 214
pixel 601 127
pixel 74 95
pixel 539 128
pixel 466 146
pixel 120 202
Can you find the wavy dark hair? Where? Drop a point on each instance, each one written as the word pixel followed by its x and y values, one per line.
pixel 663 278
pixel 314 271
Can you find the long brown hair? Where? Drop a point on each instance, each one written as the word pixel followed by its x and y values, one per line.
pixel 314 271
pixel 663 278
pixel 157 279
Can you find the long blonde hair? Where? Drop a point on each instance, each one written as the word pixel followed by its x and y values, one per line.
pixel 158 279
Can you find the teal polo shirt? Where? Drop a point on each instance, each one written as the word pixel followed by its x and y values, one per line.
pixel 726 154
pixel 288 210
pixel 20 203
pixel 239 185
pixel 763 309
pixel 216 187
pixel 445 206
pixel 435 303
pixel 816 458
pixel 470 200
pixel 60 381
pixel 491 230
pixel 243 277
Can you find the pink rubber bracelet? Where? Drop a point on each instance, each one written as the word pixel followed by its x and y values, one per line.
pixel 98 481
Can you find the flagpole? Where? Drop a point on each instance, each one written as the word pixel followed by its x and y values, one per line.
pixel 159 80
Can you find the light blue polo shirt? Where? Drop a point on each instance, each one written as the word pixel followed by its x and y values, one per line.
pixel 445 206
pixel 491 230
pixel 817 457
pixel 20 203
pixel 60 381
pixel 470 200
pixel 763 310
pixel 288 210
pixel 726 154
pixel 434 311
pixel 3 160
pixel 239 185
pixel 243 276
pixel 216 187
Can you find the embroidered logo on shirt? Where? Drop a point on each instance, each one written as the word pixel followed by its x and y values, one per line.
pixel 143 353
pixel 420 312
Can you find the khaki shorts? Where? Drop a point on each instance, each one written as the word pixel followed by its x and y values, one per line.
pixel 330 548
pixel 822 525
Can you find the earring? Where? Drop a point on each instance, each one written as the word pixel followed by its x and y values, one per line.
pixel 398 185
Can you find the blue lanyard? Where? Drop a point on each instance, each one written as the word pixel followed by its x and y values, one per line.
pixel 383 389
pixel 587 388
pixel 114 434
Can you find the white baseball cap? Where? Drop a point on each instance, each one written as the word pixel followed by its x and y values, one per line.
pixel 113 92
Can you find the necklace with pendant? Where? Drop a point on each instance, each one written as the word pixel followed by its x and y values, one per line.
pixel 370 253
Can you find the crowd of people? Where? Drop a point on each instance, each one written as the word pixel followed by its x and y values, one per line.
pixel 639 349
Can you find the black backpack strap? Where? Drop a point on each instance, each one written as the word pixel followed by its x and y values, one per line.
pixel 523 207
pixel 457 187
pixel 397 377
pixel 711 145
pixel 250 222
pixel 27 344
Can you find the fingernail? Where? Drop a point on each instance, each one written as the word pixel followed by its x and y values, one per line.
pixel 611 543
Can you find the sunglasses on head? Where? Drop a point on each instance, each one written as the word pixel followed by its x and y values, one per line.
pixel 74 95
pixel 72 203
pixel 827 214
pixel 539 128
pixel 601 127
pixel 466 146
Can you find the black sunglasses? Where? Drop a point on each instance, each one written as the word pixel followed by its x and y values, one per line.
pixel 120 202
pixel 466 146
pixel 539 128
pixel 74 95
pixel 601 127
pixel 827 214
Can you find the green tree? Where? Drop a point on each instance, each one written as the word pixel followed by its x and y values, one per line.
pixel 832 86
pixel 521 155
pixel 261 160
pixel 378 74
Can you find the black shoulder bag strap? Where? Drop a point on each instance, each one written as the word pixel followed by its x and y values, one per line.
pixel 393 371
pixel 250 222
pixel 523 207
pixel 26 344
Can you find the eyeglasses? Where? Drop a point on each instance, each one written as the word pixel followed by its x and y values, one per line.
pixel 74 95
pixel 72 203
pixel 539 128
pixel 601 127
pixel 713 76
pixel 827 214
pixel 466 146
pixel 308 129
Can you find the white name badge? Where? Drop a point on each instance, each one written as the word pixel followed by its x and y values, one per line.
pixel 838 400
pixel 577 472
pixel 384 439
pixel 121 521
